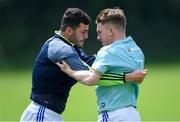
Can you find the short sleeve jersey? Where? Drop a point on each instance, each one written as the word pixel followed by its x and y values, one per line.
pixel 120 56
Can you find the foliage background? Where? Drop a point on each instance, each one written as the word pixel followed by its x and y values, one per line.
pixel 26 25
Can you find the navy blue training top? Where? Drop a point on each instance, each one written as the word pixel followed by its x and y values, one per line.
pixel 50 86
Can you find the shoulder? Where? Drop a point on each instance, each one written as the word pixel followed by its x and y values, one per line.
pixel 104 50
pixel 58 50
pixel 57 45
pixel 110 50
pixel 104 55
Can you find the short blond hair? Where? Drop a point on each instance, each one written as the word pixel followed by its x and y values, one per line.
pixel 113 16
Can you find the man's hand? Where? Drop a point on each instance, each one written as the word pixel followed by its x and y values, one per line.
pixel 65 67
pixel 136 76
pixel 83 76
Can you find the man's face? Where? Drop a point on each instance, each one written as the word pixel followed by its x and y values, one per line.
pixel 80 35
pixel 103 34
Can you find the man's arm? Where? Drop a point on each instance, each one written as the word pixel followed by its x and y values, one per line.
pixel 91 77
pixel 110 79
pixel 86 77
pixel 136 76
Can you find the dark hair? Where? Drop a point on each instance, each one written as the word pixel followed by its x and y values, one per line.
pixel 73 17
pixel 113 16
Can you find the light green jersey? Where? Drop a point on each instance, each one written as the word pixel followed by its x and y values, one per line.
pixel 120 56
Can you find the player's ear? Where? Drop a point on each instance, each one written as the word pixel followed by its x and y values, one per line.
pixel 69 30
pixel 111 31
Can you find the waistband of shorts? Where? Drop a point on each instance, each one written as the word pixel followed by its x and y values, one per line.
pixel 36 105
pixel 48 101
pixel 119 109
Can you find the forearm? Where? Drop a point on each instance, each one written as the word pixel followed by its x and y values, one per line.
pixel 111 79
pixel 84 77
pixel 136 76
pixel 87 77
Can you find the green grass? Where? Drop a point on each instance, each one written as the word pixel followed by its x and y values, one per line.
pixel 159 98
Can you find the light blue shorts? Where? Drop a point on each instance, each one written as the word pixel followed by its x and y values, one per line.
pixel 37 113
pixel 128 114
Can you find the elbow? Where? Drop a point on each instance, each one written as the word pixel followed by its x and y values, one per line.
pixel 91 82
pixel 91 79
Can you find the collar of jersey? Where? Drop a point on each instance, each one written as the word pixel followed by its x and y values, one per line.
pixel 63 38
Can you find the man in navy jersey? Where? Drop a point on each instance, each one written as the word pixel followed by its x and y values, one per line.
pixel 50 86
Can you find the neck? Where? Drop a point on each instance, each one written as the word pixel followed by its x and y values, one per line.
pixel 63 34
pixel 119 36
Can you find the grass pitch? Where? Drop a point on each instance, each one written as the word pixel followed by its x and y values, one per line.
pixel 159 98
